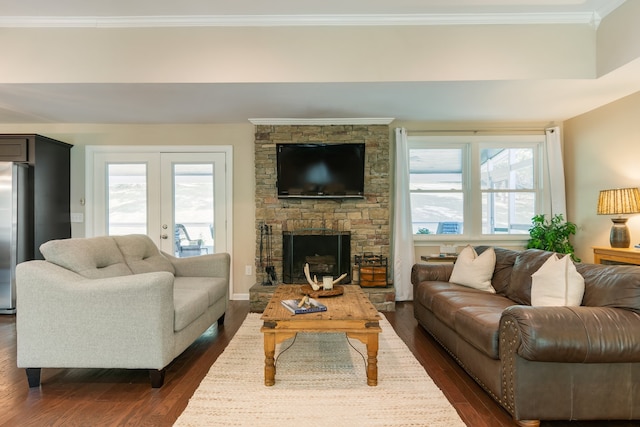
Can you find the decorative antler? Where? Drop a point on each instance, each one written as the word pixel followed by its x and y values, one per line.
pixel 340 278
pixel 314 283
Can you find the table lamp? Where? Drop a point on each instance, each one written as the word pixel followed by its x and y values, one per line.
pixel 619 201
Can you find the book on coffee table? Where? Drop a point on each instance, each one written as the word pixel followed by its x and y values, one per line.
pixel 311 306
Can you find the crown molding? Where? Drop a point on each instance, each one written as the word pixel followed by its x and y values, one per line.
pixel 300 20
pixel 323 122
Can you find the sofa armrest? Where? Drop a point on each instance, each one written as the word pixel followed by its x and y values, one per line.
pixel 570 334
pixel 431 272
pixel 66 320
pixel 211 265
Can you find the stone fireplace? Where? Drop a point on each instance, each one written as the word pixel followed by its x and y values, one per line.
pixel 365 221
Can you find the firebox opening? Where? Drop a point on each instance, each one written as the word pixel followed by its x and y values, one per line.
pixel 327 252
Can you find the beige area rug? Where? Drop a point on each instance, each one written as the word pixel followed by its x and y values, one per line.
pixel 320 381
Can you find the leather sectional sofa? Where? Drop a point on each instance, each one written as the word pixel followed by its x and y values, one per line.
pixel 115 302
pixel 540 363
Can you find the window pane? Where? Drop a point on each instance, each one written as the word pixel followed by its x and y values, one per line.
pixel 435 169
pixel 437 213
pixel 193 209
pixel 507 213
pixel 127 199
pixel 506 168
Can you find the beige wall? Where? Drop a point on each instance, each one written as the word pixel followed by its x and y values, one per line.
pixel 239 136
pixel 617 38
pixel 296 54
pixel 602 150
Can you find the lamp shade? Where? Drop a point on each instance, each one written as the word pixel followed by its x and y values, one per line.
pixel 619 201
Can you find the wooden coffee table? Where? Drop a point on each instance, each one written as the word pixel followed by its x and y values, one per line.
pixel 351 313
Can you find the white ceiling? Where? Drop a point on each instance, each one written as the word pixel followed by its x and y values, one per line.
pixel 523 100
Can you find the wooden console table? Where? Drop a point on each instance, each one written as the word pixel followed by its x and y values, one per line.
pixel 439 258
pixel 605 255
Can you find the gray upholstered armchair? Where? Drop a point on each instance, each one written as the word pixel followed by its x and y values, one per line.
pixel 115 302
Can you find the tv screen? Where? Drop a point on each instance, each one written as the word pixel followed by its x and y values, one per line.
pixel 320 170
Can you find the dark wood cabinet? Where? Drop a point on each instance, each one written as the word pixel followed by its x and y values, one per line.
pixel 47 198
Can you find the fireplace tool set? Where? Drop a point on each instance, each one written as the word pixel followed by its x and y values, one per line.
pixel 266 261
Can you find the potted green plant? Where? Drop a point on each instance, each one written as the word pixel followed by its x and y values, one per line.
pixel 552 235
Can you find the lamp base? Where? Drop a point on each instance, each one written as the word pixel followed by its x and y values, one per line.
pixel 619 237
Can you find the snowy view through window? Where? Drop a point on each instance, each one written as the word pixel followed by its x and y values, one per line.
pixel 442 181
pixel 192 204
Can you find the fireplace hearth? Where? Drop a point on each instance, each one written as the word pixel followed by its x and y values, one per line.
pixel 327 252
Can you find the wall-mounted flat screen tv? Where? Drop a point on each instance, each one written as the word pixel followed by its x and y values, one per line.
pixel 320 170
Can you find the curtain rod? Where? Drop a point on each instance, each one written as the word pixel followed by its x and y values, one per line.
pixel 478 131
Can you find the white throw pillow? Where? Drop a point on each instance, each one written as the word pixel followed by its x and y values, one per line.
pixel 557 283
pixel 473 270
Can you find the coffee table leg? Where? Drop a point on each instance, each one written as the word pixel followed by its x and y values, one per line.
pixel 269 359
pixel 372 359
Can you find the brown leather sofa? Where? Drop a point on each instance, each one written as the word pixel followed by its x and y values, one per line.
pixel 540 363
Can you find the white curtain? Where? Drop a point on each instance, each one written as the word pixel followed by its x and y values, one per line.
pixel 402 247
pixel 557 202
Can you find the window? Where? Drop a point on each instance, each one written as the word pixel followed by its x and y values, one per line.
pixel 475 186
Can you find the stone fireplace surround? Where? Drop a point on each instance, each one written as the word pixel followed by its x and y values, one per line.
pixel 366 220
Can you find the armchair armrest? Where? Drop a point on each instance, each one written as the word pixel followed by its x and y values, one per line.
pixel 212 265
pixel 570 334
pixel 66 320
pixel 431 272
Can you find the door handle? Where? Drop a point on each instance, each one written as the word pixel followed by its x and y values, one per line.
pixel 164 236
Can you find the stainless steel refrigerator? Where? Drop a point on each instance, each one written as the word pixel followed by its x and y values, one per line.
pixel 14 229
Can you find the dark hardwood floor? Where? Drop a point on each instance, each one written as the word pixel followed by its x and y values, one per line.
pixel 118 397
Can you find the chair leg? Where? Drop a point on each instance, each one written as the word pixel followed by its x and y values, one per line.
pixel 33 377
pixel 221 320
pixel 157 377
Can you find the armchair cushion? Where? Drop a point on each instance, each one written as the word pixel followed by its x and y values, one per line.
pixel 215 287
pixel 142 255
pixel 93 258
pixel 189 305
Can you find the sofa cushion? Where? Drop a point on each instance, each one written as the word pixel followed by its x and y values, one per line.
pixel 505 258
pixel 557 283
pixel 479 325
pixel 527 263
pixel 458 309
pixel 611 286
pixel 142 255
pixel 189 304
pixel 425 291
pixel 92 257
pixel 474 270
pixel 216 287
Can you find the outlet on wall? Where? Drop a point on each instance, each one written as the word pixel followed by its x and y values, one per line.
pixel 77 217
pixel 248 270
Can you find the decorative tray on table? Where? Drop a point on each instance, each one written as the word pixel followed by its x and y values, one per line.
pixel 308 290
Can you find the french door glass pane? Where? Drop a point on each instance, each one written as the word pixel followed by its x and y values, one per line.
pixel 193 209
pixel 127 199
pixel 437 213
pixel 507 212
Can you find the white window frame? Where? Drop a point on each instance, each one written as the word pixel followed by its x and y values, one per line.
pixel 472 194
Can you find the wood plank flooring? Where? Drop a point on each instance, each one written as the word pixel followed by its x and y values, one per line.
pixel 118 397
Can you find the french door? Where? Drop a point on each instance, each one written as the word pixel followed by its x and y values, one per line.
pixel 178 199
